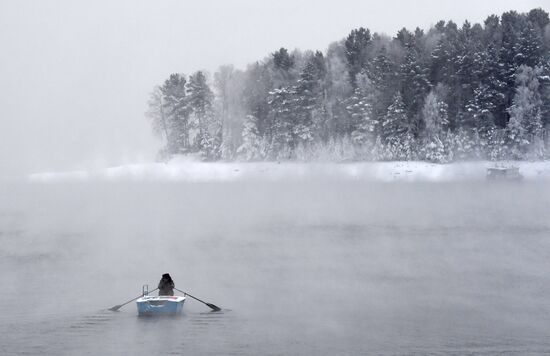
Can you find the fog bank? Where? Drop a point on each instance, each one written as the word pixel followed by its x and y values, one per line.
pixel 185 169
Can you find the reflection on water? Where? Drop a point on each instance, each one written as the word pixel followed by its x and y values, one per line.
pixel 320 268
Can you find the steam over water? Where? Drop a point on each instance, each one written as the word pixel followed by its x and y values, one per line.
pixel 326 268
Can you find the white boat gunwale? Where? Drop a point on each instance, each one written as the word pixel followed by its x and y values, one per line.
pixel 160 305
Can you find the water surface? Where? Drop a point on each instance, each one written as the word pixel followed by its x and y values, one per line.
pixel 318 268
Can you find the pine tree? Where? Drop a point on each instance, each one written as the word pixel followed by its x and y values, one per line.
pixel 207 139
pixel 384 75
pixel 509 59
pixel 338 90
pixel 395 122
pixel 282 103
pixel 415 86
pixel 468 70
pixel 308 91
pixel 176 113
pixel 529 46
pixel 405 38
pixel 442 58
pixel 396 129
pixel 283 60
pixel 524 130
pixel 320 111
pixel 488 93
pixel 356 45
pixel 363 123
pixel 283 68
pixel 539 18
pixel 494 78
pixel 436 121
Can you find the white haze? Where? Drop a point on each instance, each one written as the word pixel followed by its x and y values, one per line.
pixel 76 75
pixel 317 268
pixel 185 170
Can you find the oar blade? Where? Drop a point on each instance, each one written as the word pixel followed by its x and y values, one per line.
pixel 115 308
pixel 213 307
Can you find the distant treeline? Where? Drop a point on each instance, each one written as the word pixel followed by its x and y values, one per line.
pixel 470 92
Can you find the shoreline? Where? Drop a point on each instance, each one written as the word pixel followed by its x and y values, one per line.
pixel 185 170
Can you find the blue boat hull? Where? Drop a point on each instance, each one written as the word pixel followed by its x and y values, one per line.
pixel 164 305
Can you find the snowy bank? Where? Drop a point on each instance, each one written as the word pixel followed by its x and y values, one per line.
pixel 185 170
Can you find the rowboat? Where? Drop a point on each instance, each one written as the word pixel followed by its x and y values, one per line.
pixel 160 305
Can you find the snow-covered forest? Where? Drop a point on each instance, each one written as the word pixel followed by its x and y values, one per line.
pixel 448 93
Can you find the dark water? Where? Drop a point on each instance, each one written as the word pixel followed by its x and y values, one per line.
pixel 326 268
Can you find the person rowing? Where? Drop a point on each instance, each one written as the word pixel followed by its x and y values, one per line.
pixel 166 285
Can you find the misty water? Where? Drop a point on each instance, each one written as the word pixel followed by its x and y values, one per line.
pixel 328 267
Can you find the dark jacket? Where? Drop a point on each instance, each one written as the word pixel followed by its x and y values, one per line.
pixel 166 285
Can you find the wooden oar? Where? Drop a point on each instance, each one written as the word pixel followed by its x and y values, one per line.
pixel 117 307
pixel 210 305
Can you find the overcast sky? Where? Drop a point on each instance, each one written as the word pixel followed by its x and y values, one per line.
pixel 75 75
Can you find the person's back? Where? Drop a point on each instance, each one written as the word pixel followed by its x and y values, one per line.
pixel 166 285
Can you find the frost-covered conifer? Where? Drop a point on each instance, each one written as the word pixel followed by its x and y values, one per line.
pixel 282 104
pixel 524 130
pixel 368 98
pixel 170 107
pixel 205 124
pixel 399 141
pixel 360 111
pixel 436 122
